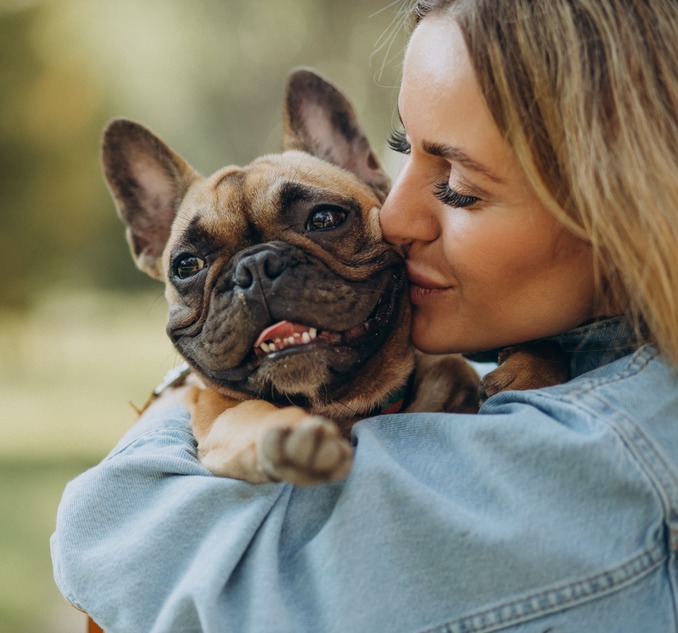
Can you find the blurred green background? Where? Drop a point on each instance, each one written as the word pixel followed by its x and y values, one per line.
pixel 81 331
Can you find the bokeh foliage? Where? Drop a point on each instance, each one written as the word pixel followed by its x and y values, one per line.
pixel 206 75
pixel 79 336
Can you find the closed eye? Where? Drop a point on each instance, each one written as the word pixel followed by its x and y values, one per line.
pixel 453 198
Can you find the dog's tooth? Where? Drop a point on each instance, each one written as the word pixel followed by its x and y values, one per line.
pixel 265 347
pixel 313 332
pixel 272 347
pixel 290 340
pixel 305 338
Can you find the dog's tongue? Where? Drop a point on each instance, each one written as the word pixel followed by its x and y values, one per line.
pixel 282 329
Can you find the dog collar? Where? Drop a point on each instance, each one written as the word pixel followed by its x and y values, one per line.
pixel 173 378
pixel 394 404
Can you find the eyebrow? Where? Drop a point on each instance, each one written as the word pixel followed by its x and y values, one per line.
pixel 451 152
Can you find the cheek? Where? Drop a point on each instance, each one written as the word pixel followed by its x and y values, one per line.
pixel 488 252
pixel 570 259
pixel 551 277
pixel 479 247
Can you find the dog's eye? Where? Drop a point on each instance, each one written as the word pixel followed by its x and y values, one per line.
pixel 186 266
pixel 325 218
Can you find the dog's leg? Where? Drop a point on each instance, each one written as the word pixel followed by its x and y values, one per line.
pixel 529 366
pixel 443 383
pixel 258 442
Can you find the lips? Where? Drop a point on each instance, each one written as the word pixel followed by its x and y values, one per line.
pixel 423 287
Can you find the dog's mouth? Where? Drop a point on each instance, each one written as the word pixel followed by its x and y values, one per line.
pixel 286 338
pixel 285 335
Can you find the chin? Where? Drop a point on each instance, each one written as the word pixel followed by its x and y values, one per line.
pixel 434 329
pixel 446 340
pixel 429 341
pixel 428 338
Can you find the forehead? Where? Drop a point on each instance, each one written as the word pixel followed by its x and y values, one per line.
pixel 436 54
pixel 438 78
pixel 235 198
pixel 441 102
pixel 265 185
pixel 273 172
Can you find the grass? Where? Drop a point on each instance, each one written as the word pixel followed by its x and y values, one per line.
pixel 29 493
pixel 68 372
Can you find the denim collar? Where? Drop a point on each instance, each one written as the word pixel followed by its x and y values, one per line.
pixel 589 346
pixel 597 343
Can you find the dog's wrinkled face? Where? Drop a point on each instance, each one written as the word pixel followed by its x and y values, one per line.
pixel 279 284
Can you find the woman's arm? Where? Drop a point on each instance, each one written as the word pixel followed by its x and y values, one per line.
pixel 501 518
pixel 132 531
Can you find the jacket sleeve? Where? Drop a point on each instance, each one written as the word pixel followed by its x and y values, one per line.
pixel 129 529
pixel 446 522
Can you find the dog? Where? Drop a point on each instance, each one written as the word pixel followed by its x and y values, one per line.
pixel 283 297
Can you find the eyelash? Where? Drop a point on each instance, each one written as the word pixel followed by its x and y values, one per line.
pixel 453 198
pixel 397 141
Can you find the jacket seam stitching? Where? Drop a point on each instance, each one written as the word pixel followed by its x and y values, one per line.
pixel 639 447
pixel 143 436
pixel 558 598
pixel 639 360
pixel 532 606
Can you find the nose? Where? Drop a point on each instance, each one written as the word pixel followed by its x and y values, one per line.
pixel 262 265
pixel 408 213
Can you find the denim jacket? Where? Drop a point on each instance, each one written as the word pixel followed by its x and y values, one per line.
pixel 553 510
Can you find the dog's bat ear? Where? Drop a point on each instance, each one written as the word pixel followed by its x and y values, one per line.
pixel 148 181
pixel 319 119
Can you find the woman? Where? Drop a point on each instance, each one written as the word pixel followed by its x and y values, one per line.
pixel 538 198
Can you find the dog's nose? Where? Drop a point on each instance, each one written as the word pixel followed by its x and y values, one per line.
pixel 262 265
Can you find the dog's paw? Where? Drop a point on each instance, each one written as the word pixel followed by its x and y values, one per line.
pixel 305 454
pixel 525 367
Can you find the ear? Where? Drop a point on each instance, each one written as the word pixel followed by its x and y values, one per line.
pixel 147 181
pixel 320 120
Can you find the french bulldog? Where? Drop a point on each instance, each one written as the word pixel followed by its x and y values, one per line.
pixel 284 299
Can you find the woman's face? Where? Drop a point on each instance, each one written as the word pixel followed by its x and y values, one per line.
pixel 488 265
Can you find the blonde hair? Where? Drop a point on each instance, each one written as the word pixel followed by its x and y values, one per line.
pixel 586 93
